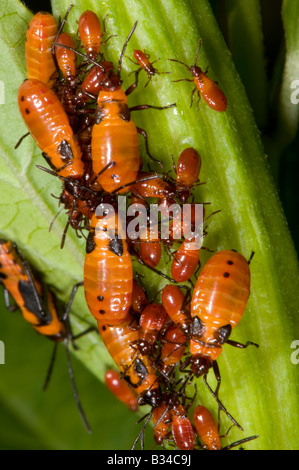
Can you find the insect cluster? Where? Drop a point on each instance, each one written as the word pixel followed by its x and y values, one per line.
pixel 75 108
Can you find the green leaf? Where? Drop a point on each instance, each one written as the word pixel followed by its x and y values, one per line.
pixel 27 209
pixel 259 386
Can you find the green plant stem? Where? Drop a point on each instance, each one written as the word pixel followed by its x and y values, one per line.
pixel 259 386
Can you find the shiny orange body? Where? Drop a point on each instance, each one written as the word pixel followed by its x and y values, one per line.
pixel 137 371
pixel 219 299
pixel 182 430
pixel 66 58
pixel 108 272
pixel 91 84
pixel 151 322
pixel 206 428
pixel 48 124
pixel 172 349
pixel 209 90
pixel 150 250
pixel 154 187
pixel 185 261
pixel 121 389
pixel 139 298
pixel 144 62
pixel 187 172
pixel 40 36
pixel 89 28
pixel 114 138
pixel 27 294
pixel 161 421
pixel 173 299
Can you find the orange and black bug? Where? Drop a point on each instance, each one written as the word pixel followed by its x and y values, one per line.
pixel 66 58
pixel 151 322
pixel 66 86
pixel 39 306
pixel 139 298
pixel 187 172
pixel 89 29
pixel 205 86
pixel 91 85
pixel 185 260
pixel 173 345
pixel 136 370
pixel 207 430
pixel 41 33
pixel 161 421
pixel 219 299
pixel 143 61
pixel 48 124
pixel 114 136
pixel 181 428
pixel 150 249
pixel 173 300
pixel 151 187
pixel 108 272
pixel 121 389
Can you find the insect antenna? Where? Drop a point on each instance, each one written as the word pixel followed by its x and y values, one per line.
pixel 75 391
pixel 124 48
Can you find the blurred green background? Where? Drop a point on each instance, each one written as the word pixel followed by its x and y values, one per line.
pixel 32 419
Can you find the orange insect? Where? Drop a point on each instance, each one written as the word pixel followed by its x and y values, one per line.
pixel 173 345
pixel 150 250
pixel 38 305
pixel 121 389
pixel 219 299
pixel 66 58
pixel 139 298
pixel 48 124
pixel 151 322
pixel 145 64
pixel 108 272
pixel 181 427
pixel 161 421
pixel 185 260
pixel 205 86
pixel 207 430
pixel 114 136
pixel 187 172
pixel 91 85
pixel 149 186
pixel 40 36
pixel 173 300
pixel 89 28
pixel 137 371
